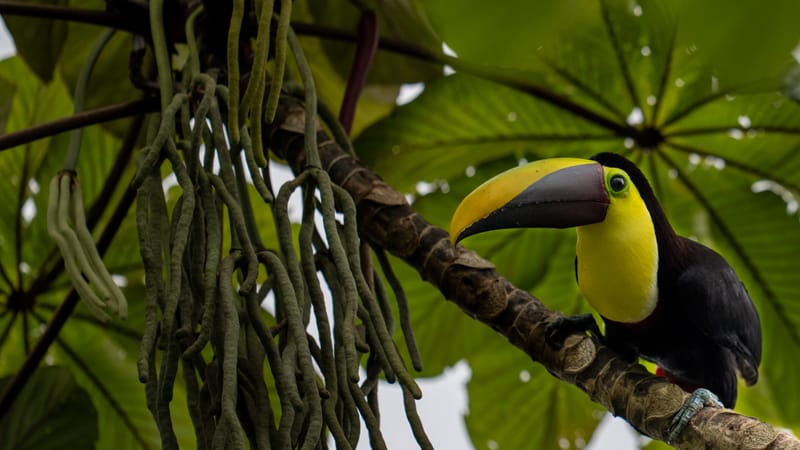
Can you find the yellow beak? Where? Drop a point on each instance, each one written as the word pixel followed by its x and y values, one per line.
pixel 549 193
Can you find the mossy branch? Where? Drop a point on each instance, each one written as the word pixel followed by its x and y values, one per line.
pixel 627 390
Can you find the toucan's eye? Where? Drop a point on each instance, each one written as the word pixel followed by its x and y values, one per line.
pixel 617 183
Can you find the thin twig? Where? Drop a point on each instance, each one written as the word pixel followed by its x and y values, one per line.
pixel 82 15
pixel 84 119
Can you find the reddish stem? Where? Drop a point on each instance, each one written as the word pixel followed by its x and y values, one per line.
pixel 367 46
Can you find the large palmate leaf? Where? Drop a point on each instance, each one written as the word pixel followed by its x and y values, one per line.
pixel 331 61
pixel 102 357
pixel 689 91
pixel 539 411
pixel 59 48
pixel 742 41
pixel 53 413
pixel 110 77
pixel 39 41
pixel 7 89
pixel 104 360
pixel 717 139
pixel 401 20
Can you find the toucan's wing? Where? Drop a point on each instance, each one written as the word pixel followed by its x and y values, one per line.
pixel 717 303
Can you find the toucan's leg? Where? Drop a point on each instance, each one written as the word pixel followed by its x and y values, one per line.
pixel 699 399
pixel 559 329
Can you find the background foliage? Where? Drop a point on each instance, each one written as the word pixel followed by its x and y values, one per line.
pixel 697 94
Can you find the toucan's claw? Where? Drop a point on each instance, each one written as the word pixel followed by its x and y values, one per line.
pixel 558 330
pixel 700 398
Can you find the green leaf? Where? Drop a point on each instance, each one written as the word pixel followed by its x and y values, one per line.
pixel 40 161
pixel 375 102
pixel 516 30
pixel 14 71
pixel 7 91
pixel 106 368
pixel 331 61
pixel 751 230
pixel 746 42
pixel 39 41
pixel 52 412
pixel 401 20
pixel 657 445
pixel 32 104
pixel 515 403
pixel 462 121
pixel 110 81
pixel 102 356
pixel 718 141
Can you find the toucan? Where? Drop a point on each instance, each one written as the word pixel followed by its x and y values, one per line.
pixel 662 297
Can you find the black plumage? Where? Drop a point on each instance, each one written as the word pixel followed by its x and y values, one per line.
pixel 704 326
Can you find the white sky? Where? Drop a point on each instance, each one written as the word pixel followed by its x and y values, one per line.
pixel 445 398
pixel 6 44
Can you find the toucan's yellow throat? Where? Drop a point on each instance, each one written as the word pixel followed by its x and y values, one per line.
pixel 617 259
pixel 617 249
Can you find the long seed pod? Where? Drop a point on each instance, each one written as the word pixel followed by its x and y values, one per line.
pixel 253 100
pixel 54 210
pixel 148 223
pixel 237 217
pixel 308 262
pixel 71 238
pixel 193 315
pixel 262 187
pixel 297 333
pixel 402 307
pixel 166 130
pixel 193 62
pixel 280 60
pixel 263 416
pixel 117 299
pixel 229 426
pixel 163 64
pixel 180 239
pixel 214 243
pixel 343 342
pixel 234 29
pixel 414 421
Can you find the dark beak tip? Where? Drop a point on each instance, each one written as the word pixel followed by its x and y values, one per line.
pixel 463 234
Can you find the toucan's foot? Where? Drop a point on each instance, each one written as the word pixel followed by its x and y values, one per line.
pixel 558 330
pixel 700 398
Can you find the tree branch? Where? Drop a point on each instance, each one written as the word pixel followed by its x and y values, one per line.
pixel 627 390
pixel 90 16
pixel 82 119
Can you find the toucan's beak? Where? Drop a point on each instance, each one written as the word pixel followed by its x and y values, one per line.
pixel 550 193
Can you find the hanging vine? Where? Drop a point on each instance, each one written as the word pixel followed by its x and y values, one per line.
pixel 253 378
pixel 229 303
pixel 66 219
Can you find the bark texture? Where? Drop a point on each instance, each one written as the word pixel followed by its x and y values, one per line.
pixel 627 390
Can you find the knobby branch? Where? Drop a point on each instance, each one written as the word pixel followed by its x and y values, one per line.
pixel 627 390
